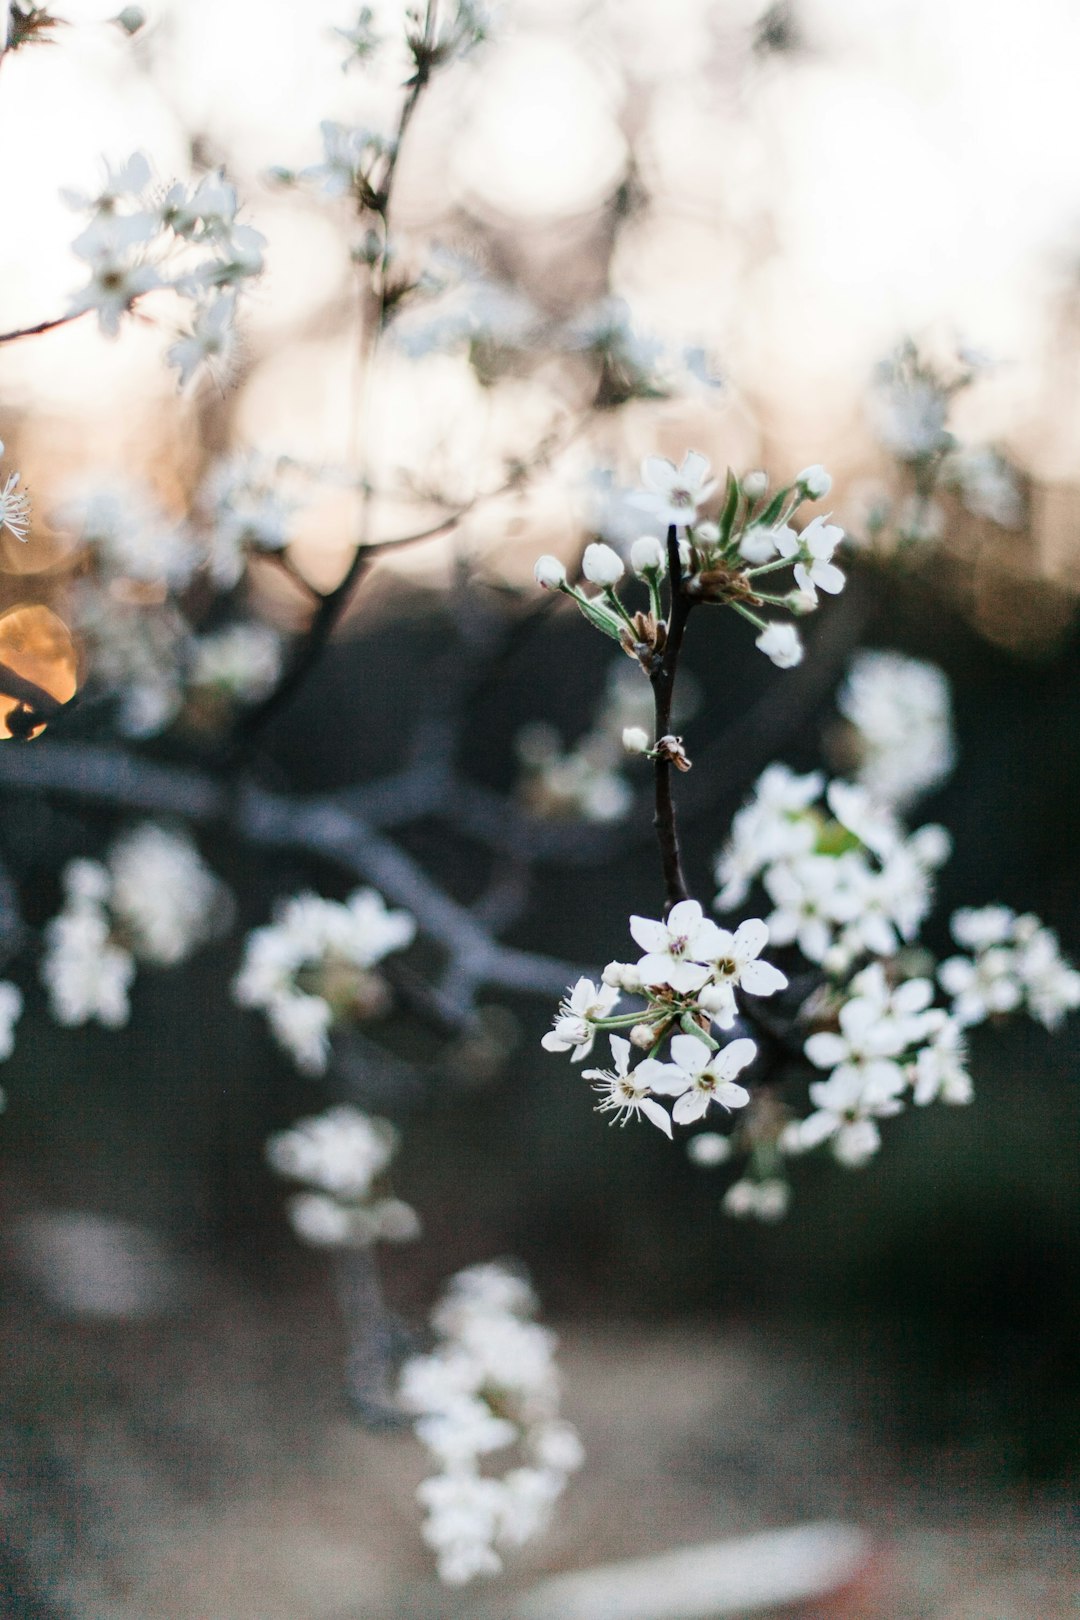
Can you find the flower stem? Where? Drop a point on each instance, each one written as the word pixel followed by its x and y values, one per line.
pixel 663 685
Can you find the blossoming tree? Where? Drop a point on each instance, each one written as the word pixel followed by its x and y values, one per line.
pixel 803 1018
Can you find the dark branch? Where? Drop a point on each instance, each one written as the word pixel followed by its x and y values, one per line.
pixel 663 685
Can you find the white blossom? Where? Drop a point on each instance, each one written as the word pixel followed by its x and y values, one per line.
pixel 780 643
pixel 583 1005
pixel 550 573
pixel 601 565
pixel 698 1076
pixel 163 893
pixel 901 713
pixel 625 1091
pixel 815 481
pixel 674 494
pixel 678 950
pixel 647 555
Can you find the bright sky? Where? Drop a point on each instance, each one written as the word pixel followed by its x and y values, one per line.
pixel 913 167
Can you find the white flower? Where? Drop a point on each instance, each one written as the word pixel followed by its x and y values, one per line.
pixel 1051 986
pixel 116 277
pixel 765 1200
pixel 760 545
pixel 862 1053
pixel 601 565
pixel 635 739
pixel 573 1030
pixel 941 1068
pixel 978 928
pixel 248 510
pixel 818 541
pixel 708 1148
pixel 982 987
pixel 697 1076
pixel 129 534
pixel 815 481
pixel 14 505
pixel 648 555
pixel 340 1151
pixel 678 949
pixel 625 1092
pixel 755 485
pixel 901 712
pixel 348 151
pixel 675 493
pixel 781 643
pixel 11 1006
pixel 211 338
pixel 319 1220
pixel 550 573
pixel 125 182
pixel 86 975
pixel 164 894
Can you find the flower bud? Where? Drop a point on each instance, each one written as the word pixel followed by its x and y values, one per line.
pixel 601 565
pixel 754 485
pixel 635 740
pixel 781 643
pixel 643 1035
pixel 647 555
pixel 708 1148
pixel 631 978
pixel 550 573
pixel 800 602
pixel 815 482
pixel 612 975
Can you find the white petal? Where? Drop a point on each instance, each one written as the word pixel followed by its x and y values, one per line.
pixel 663 1078
pixel 731 1096
pixel 825 1050
pixel 659 474
pixel 762 979
pixel 751 938
pixel 652 936
pixel 620 1051
pixel 827 577
pixel 691 1105
pixel 685 977
pixel 659 1116
pixel 691 1055
pixel 684 918
pixel 735 1056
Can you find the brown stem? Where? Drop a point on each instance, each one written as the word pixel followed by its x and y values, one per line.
pixel 663 685
pixel 42 326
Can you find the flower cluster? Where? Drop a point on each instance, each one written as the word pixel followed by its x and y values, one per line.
pixel 909 406
pixel 722 560
pixel 312 967
pixel 844 879
pixel 152 900
pixel 135 553
pixel 489 1384
pixel 1015 963
pixel 343 1156
pixel 901 734
pixel 688 980
pixel 187 238
pixel 889 1040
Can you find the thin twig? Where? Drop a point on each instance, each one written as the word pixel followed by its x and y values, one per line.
pixel 663 685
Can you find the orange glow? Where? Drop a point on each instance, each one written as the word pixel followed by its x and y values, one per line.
pixel 36 652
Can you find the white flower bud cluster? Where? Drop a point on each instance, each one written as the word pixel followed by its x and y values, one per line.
pixel 721 560
pixel 154 900
pixel 343 1155
pixel 688 980
pixel 189 241
pixel 312 966
pixel 489 1385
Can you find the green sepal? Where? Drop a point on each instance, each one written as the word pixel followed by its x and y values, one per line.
pixel 597 615
pixel 732 497
pixel 769 518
